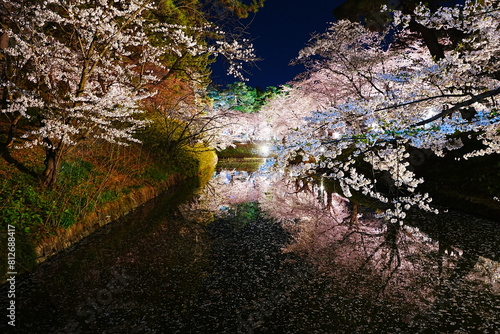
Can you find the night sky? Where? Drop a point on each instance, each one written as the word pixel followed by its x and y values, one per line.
pixel 279 30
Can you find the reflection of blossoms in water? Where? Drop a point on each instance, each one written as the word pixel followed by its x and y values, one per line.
pixel 234 187
pixel 397 265
pixel 226 189
pixel 376 260
pixel 361 255
pixel 282 198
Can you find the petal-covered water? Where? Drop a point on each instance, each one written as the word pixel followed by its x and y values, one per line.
pixel 250 255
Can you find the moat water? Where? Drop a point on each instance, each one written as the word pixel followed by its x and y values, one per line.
pixel 246 254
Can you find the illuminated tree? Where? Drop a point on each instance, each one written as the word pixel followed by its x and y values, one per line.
pixel 374 99
pixel 79 69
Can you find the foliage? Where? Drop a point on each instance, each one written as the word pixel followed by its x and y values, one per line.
pixel 22 205
pixel 36 210
pixel 236 114
pixel 75 173
pixel 242 9
pixel 241 97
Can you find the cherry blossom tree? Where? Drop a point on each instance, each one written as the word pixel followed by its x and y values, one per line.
pixel 79 69
pixel 374 100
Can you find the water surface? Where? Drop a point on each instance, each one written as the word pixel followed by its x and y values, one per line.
pixel 247 254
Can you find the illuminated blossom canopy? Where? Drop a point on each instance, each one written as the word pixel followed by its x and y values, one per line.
pixel 79 69
pixel 367 99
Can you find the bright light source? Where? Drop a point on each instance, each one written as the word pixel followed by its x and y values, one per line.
pixel 264 150
pixel 336 135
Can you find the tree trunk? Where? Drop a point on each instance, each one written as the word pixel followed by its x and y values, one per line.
pixel 12 132
pixel 430 39
pixel 52 163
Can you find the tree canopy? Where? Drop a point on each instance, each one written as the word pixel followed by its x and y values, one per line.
pixel 370 98
pixel 74 70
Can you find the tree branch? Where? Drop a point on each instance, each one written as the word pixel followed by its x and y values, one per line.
pixel 460 105
pixel 394 106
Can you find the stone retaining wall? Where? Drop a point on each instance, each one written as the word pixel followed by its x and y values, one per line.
pixel 63 238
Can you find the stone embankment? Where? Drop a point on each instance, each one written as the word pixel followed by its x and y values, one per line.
pixel 65 237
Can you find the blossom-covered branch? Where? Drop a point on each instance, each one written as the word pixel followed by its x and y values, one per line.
pixel 80 69
pixel 365 101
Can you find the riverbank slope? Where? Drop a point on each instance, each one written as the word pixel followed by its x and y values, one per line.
pixel 97 184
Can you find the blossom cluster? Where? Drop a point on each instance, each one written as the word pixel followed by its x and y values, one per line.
pixel 365 102
pixel 83 67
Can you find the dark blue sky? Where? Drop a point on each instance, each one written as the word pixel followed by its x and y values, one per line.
pixel 279 30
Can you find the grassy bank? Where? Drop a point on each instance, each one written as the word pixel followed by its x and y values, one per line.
pixel 98 181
